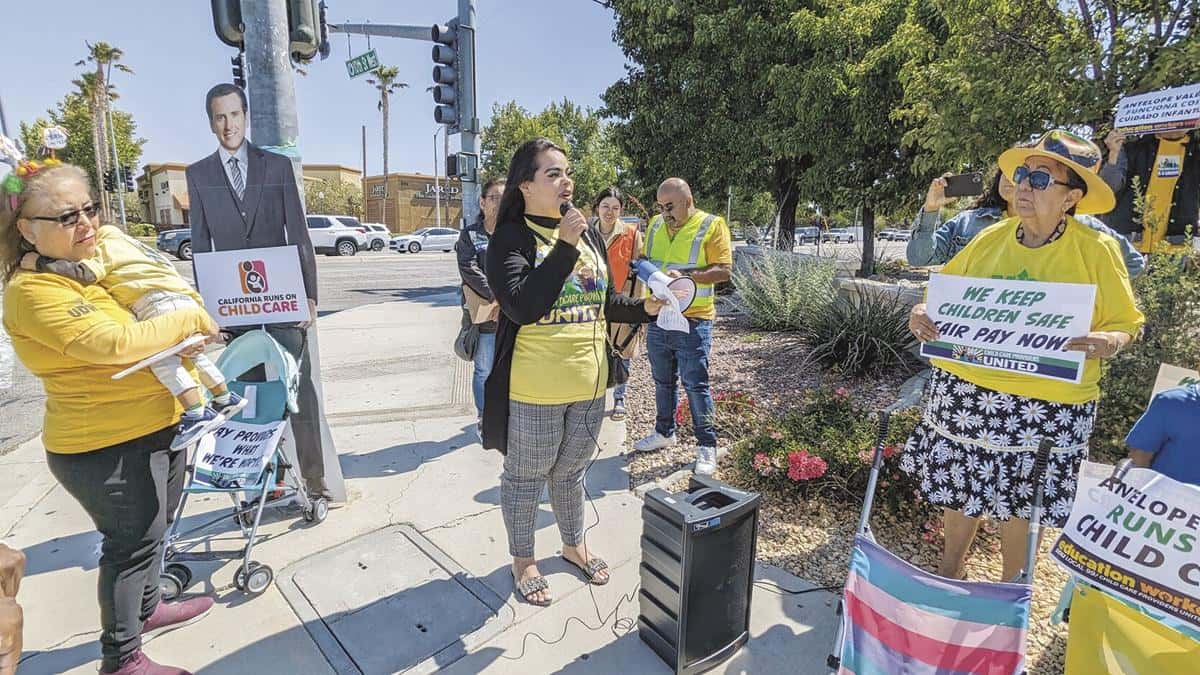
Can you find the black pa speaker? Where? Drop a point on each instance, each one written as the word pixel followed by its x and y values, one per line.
pixel 697 570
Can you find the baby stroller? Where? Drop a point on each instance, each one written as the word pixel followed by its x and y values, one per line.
pixel 242 459
pixel 897 618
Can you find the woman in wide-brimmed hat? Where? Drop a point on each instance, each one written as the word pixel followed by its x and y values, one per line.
pixel 973 450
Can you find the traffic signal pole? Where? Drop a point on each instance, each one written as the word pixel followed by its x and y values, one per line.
pixel 455 43
pixel 273 119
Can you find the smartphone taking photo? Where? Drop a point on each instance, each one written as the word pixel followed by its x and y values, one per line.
pixel 964 185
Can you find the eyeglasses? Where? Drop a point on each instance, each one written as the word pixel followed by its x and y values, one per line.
pixel 663 208
pixel 1040 179
pixel 71 218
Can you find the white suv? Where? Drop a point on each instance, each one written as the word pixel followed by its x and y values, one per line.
pixel 337 235
pixel 378 236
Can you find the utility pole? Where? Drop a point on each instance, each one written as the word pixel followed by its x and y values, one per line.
pixel 437 189
pixel 469 135
pixel 728 204
pixel 363 180
pixel 274 122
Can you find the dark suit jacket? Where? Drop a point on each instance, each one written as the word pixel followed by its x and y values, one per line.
pixel 270 213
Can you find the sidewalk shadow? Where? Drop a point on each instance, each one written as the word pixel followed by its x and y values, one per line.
pixel 398 460
pixel 605 476
pixel 61 659
pixel 434 296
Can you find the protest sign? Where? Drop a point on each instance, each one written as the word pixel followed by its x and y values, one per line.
pixel 1170 376
pixel 1136 538
pixel 234 455
pixel 253 286
pixel 1167 110
pixel 1018 326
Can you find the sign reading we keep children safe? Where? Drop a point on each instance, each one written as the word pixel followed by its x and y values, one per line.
pixel 253 286
pixel 1018 326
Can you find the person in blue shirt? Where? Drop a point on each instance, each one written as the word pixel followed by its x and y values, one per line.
pixel 1167 437
pixel 932 244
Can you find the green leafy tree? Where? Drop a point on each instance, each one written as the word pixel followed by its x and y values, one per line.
pixel 96 88
pixel 334 196
pixel 74 114
pixel 595 158
pixel 700 101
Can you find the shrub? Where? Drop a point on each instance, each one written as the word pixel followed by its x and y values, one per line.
pixel 733 412
pixel 826 445
pixel 782 291
pixel 866 333
pixel 1168 293
pixel 142 230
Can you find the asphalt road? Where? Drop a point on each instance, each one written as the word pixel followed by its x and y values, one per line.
pixel 344 283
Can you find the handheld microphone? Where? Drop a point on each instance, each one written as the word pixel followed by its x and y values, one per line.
pixel 564 207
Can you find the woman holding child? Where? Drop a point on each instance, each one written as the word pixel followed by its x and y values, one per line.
pixel 108 442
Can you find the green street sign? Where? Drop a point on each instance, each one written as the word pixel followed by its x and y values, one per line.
pixel 363 63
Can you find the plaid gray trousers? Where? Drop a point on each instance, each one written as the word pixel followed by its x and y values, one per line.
pixel 547 444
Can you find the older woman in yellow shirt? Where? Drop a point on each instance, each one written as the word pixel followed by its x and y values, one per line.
pixel 974 448
pixel 107 441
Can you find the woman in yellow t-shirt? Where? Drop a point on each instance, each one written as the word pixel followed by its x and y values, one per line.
pixel 107 441
pixel 544 400
pixel 974 448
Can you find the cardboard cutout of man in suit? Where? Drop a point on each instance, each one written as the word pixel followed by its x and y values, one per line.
pixel 245 197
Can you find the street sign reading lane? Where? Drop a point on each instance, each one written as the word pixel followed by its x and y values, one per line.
pixel 364 63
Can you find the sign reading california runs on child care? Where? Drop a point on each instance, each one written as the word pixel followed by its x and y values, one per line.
pixel 254 286
pixel 1003 324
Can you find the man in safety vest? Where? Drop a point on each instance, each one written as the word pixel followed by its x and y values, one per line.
pixel 685 241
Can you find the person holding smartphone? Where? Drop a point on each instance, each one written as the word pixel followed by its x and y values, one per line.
pixel 935 243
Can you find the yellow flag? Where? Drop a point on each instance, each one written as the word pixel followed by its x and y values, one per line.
pixel 1108 636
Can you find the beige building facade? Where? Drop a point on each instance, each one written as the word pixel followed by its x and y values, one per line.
pixel 412 202
pixel 162 190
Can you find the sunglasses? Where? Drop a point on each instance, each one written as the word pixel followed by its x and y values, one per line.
pixel 1040 179
pixel 71 218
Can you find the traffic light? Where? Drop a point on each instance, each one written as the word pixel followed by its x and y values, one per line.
pixel 307 30
pixel 239 69
pixel 227 21
pixel 127 171
pixel 445 76
pixel 110 181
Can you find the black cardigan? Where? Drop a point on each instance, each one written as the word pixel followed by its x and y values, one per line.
pixel 526 293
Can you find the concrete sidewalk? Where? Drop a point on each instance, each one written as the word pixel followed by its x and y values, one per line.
pixel 413 573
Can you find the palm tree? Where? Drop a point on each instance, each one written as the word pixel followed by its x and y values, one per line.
pixel 105 57
pixel 385 81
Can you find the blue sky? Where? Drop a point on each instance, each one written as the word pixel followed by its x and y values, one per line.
pixel 530 51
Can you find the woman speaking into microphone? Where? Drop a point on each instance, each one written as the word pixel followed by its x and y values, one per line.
pixel 544 400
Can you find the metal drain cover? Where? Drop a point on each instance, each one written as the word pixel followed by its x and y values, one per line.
pixel 392 602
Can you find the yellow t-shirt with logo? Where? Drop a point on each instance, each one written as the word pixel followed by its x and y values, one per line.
pixel 1160 191
pixel 129 269
pixel 561 358
pixel 1080 256
pixel 74 338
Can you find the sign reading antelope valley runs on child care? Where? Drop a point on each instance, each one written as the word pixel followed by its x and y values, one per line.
pixel 1136 538
pixel 1019 326
pixel 1167 110
pixel 252 286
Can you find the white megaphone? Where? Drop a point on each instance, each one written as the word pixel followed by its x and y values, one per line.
pixel 682 289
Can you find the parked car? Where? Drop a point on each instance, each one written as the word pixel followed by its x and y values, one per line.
pixel 431 238
pixel 176 242
pixel 901 235
pixel 807 235
pixel 886 235
pixel 839 235
pixel 378 236
pixel 337 235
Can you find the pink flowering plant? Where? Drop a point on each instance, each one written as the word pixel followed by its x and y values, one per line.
pixel 825 445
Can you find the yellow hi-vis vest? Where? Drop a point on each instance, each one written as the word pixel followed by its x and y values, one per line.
pixel 685 250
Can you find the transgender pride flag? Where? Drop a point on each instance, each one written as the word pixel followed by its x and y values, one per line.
pixel 900 620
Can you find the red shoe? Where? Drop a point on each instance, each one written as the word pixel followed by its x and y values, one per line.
pixel 168 616
pixel 140 664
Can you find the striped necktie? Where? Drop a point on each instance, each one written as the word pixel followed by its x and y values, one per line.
pixel 235 174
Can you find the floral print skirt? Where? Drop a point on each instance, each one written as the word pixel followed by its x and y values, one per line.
pixel 974 448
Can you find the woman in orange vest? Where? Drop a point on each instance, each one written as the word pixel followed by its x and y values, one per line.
pixel 624 243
